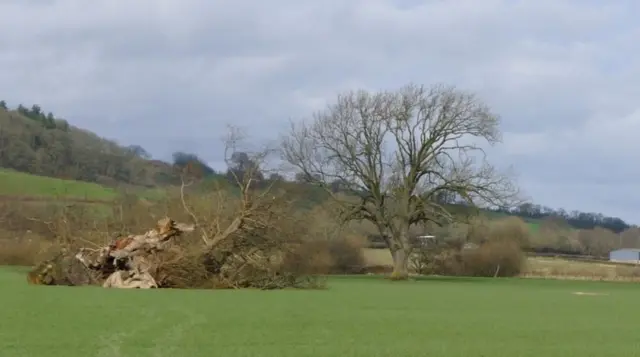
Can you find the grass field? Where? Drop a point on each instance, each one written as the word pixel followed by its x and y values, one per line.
pixel 364 316
pixel 18 184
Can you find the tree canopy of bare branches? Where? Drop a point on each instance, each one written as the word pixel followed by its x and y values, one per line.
pixel 399 153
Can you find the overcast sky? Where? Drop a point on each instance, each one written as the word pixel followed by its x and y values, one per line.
pixel 170 74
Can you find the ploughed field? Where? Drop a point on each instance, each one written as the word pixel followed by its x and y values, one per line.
pixel 354 316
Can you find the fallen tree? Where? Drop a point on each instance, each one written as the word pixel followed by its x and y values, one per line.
pixel 121 264
pixel 249 242
pixel 247 254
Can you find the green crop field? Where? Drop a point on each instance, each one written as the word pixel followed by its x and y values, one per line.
pixel 355 316
pixel 18 184
pixel 25 187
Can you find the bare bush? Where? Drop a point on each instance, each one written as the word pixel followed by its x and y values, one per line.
pixel 510 230
pixel 494 259
pixel 310 257
pixel 23 251
pixel 597 242
pixel 629 238
pixel 495 250
pixel 346 257
pixel 440 259
pixel 478 229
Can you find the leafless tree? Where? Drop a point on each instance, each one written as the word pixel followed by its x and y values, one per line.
pixel 397 152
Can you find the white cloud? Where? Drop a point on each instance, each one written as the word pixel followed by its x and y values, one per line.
pixel 563 74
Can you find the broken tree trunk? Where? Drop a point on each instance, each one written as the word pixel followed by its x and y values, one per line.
pixel 121 264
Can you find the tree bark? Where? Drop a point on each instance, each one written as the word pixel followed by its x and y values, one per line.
pixel 400 263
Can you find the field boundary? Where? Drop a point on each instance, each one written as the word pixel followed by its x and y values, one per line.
pixel 580 258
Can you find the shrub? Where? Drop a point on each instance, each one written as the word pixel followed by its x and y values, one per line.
pixel 498 251
pixel 441 259
pixel 24 251
pixel 510 229
pixel 311 257
pixel 498 258
pixel 336 256
pixel 478 230
pixel 597 242
pixel 346 256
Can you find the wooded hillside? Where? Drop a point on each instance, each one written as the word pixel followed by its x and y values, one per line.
pixel 40 143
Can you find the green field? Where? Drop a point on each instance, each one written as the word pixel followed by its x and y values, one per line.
pixel 364 316
pixel 26 187
pixel 18 184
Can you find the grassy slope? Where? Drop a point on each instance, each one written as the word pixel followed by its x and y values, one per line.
pixel 354 317
pixel 28 187
pixel 18 184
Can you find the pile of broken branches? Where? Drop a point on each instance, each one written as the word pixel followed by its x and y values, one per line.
pixel 124 263
pixel 155 260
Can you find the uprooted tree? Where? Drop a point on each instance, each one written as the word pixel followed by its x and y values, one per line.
pixel 398 154
pixel 234 242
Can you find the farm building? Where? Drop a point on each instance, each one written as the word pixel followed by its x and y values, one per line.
pixel 625 255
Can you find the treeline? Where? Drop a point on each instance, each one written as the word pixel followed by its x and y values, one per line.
pixel 38 142
pixel 575 219
pixel 241 164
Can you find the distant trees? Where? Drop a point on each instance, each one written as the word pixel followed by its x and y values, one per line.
pixel 36 114
pixel 580 220
pixel 242 165
pixel 138 151
pixel 192 163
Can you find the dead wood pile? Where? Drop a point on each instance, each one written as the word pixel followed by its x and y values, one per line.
pixel 241 256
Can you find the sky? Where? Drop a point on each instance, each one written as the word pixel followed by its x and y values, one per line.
pixel 564 75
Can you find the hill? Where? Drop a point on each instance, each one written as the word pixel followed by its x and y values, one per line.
pixel 42 144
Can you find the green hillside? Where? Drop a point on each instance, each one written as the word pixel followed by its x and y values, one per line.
pixel 45 145
pixel 19 185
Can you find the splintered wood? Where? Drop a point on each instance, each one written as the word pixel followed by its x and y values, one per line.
pixel 121 264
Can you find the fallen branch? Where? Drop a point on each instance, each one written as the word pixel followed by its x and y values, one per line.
pixel 121 264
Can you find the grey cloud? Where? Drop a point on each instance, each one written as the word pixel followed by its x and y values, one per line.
pixel 563 74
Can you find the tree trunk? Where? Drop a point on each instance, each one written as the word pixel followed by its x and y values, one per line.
pixel 400 264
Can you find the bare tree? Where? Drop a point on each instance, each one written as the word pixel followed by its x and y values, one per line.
pixel 252 202
pixel 598 242
pixel 397 153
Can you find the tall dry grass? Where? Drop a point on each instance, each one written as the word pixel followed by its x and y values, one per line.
pixel 559 268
